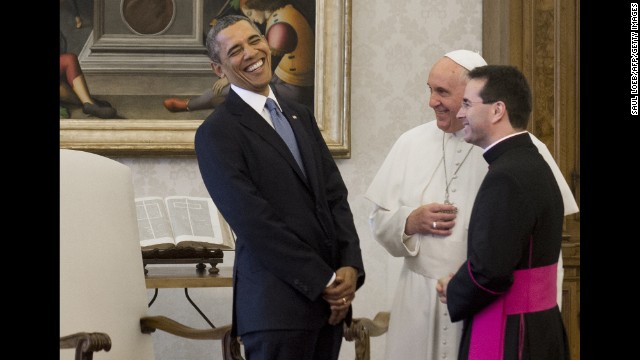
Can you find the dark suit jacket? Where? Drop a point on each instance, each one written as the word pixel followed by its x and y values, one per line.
pixel 292 232
pixel 516 223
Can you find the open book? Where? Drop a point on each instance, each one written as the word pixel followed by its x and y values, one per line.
pixel 181 222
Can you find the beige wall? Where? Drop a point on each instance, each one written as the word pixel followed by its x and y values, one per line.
pixel 393 46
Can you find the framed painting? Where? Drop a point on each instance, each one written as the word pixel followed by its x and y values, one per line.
pixel 131 61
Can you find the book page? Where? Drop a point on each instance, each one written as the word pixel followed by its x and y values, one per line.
pixel 196 219
pixel 154 226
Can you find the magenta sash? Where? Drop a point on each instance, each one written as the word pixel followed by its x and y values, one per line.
pixel 532 290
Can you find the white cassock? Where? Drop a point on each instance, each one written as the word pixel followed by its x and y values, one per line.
pixel 413 174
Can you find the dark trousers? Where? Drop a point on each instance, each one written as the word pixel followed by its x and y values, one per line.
pixel 321 344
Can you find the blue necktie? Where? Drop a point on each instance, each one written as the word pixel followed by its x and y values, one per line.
pixel 283 128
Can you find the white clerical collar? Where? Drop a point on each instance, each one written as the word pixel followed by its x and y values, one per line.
pixel 504 138
pixel 255 100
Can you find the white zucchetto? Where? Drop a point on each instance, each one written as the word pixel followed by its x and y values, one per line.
pixel 466 58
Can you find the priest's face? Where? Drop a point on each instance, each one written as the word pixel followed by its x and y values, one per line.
pixel 446 82
pixel 476 115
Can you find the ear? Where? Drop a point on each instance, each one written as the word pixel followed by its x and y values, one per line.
pixel 499 110
pixel 217 68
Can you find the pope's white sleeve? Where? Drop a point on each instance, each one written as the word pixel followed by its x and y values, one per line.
pixel 387 228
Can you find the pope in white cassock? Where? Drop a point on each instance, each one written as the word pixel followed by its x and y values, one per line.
pixel 429 166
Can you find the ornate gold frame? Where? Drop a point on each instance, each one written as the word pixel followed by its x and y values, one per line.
pixel 175 137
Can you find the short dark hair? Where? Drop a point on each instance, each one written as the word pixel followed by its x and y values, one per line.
pixel 507 84
pixel 213 46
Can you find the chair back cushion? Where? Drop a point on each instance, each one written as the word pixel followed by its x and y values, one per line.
pixel 102 286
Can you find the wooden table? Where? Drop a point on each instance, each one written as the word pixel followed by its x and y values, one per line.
pixel 187 277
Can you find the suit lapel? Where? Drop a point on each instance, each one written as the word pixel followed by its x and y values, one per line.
pixel 253 121
pixel 305 144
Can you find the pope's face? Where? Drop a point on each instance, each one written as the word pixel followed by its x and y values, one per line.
pixel 245 57
pixel 446 83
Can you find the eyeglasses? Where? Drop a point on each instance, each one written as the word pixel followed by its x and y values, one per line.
pixel 466 104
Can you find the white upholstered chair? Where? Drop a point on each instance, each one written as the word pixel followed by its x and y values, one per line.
pixel 103 297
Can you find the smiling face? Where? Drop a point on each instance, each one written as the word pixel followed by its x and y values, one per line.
pixel 245 58
pixel 446 82
pixel 476 116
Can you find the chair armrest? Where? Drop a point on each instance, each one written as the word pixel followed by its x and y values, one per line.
pixel 230 346
pixel 361 329
pixel 86 344
pixel 149 324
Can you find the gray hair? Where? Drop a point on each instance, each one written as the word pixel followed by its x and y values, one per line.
pixel 213 46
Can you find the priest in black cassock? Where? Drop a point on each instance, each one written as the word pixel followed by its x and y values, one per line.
pixel 506 290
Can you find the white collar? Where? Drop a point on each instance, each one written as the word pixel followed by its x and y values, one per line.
pixel 255 100
pixel 502 139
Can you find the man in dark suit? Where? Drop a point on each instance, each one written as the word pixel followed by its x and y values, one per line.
pixel 298 262
pixel 506 290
